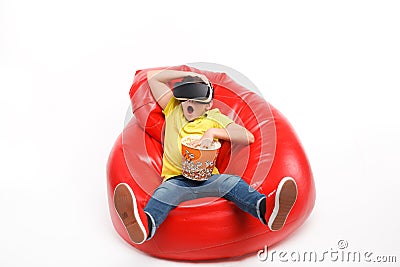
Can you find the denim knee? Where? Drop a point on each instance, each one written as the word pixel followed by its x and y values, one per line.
pixel 171 193
pixel 227 182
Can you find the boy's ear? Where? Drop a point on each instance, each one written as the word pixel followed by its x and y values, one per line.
pixel 209 105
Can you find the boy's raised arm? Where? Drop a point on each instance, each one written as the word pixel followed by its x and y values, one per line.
pixel 160 90
pixel 158 80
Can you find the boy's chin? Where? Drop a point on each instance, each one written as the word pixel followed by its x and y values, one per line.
pixel 190 118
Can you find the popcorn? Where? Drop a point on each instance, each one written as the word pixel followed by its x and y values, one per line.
pixel 187 141
pixel 197 162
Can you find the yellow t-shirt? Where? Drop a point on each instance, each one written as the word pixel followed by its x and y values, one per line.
pixel 177 127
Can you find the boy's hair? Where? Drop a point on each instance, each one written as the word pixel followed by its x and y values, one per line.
pixel 193 87
pixel 192 79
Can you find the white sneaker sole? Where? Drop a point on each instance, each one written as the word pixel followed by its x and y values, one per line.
pixel 127 209
pixel 285 198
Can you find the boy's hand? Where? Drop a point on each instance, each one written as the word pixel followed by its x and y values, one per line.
pixel 201 76
pixel 205 141
pixel 202 143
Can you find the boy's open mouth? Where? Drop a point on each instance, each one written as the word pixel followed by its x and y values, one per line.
pixel 190 109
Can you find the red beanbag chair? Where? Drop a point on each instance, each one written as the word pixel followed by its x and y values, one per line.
pixel 212 228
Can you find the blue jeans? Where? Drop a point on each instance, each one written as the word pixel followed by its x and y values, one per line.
pixel 179 189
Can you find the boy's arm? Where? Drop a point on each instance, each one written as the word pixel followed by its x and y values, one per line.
pixel 158 80
pixel 233 133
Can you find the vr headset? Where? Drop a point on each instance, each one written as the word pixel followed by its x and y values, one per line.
pixel 199 92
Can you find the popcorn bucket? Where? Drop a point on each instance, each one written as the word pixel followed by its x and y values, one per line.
pixel 198 163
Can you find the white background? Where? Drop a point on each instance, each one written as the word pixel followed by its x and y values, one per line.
pixel 332 67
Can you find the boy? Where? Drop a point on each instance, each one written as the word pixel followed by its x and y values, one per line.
pixel 187 110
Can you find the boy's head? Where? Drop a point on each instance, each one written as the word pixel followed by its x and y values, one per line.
pixel 195 96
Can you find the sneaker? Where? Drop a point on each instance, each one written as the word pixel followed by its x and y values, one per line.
pixel 132 216
pixel 285 198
